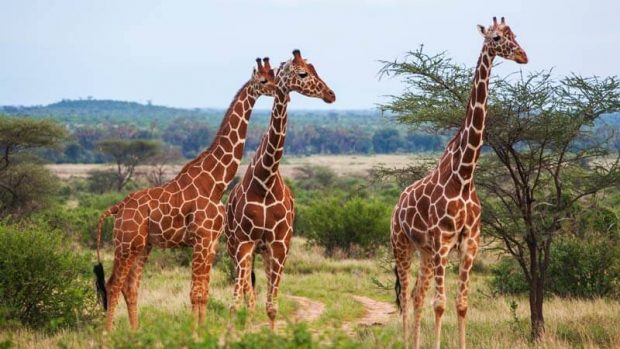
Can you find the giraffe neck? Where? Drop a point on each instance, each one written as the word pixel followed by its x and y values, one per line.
pixel 463 151
pixel 220 161
pixel 266 161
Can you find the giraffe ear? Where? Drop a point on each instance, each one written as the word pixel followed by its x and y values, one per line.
pixel 482 30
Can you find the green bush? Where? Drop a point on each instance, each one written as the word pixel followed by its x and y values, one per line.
pixel 578 268
pixel 346 224
pixel 585 269
pixel 507 277
pixel 44 283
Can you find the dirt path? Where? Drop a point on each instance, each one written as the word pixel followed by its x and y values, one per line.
pixel 377 313
pixel 307 310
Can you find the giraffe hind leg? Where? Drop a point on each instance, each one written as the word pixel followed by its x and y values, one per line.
pixel 419 293
pixel 468 251
pixel 402 249
pixel 132 285
pixel 122 264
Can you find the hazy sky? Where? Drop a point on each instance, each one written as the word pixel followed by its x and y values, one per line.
pixel 198 53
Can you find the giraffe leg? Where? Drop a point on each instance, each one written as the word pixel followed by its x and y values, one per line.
pixel 248 289
pixel 440 260
pixel 243 265
pixel 132 284
pixel 122 264
pixel 419 293
pixel 202 261
pixel 468 251
pixel 402 254
pixel 277 256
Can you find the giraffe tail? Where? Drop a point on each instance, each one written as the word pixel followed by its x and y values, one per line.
pixel 252 274
pixel 98 269
pixel 397 289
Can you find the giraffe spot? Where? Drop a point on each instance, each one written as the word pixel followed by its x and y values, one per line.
pixel 166 221
pixel 483 72
pixel 452 189
pixel 156 192
pixel 209 164
pixel 445 174
pixel 437 193
pixel 447 223
pixel 465 192
pixel 481 93
pixel 474 138
pixel 485 60
pixel 193 171
pixel 226 145
pixel 423 204
pixel 477 120
pixel 238 109
pixel 466 171
pixel 456 158
pixel 468 155
pixel 238 151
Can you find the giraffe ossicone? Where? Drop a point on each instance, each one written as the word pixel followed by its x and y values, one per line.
pixel 260 210
pixel 186 211
pixel 441 211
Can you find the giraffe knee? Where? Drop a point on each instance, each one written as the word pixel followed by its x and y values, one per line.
pixel 439 305
pixel 461 309
pixel 272 311
pixel 198 297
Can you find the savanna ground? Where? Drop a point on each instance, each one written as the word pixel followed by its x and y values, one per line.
pixel 338 301
pixel 165 310
pixel 341 164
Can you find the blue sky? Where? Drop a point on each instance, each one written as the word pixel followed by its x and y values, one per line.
pixel 198 53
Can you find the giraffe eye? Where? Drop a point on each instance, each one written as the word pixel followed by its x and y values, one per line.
pixel 263 81
pixel 496 38
pixel 302 74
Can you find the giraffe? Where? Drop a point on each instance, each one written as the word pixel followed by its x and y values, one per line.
pixel 260 210
pixel 186 211
pixel 441 212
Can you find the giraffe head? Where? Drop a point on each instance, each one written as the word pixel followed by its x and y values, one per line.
pixel 300 76
pixel 263 81
pixel 501 41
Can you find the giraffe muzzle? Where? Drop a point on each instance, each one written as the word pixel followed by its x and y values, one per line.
pixel 521 57
pixel 329 97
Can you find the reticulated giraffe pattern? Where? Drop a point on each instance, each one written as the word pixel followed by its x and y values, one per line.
pixel 441 212
pixel 186 211
pixel 260 210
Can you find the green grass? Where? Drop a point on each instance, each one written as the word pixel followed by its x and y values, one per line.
pixel 166 318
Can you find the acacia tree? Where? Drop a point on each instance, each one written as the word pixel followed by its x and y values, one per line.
pixel 159 165
pixel 24 183
pixel 541 156
pixel 127 154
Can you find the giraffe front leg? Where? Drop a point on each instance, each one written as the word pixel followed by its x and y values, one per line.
pixel 419 293
pixel 242 259
pixel 468 251
pixel 202 262
pixel 277 253
pixel 403 250
pixel 132 285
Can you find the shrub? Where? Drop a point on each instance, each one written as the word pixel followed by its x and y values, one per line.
pixel 44 283
pixel 507 277
pixel 335 223
pixel 585 269
pixel 101 181
pixel 578 268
